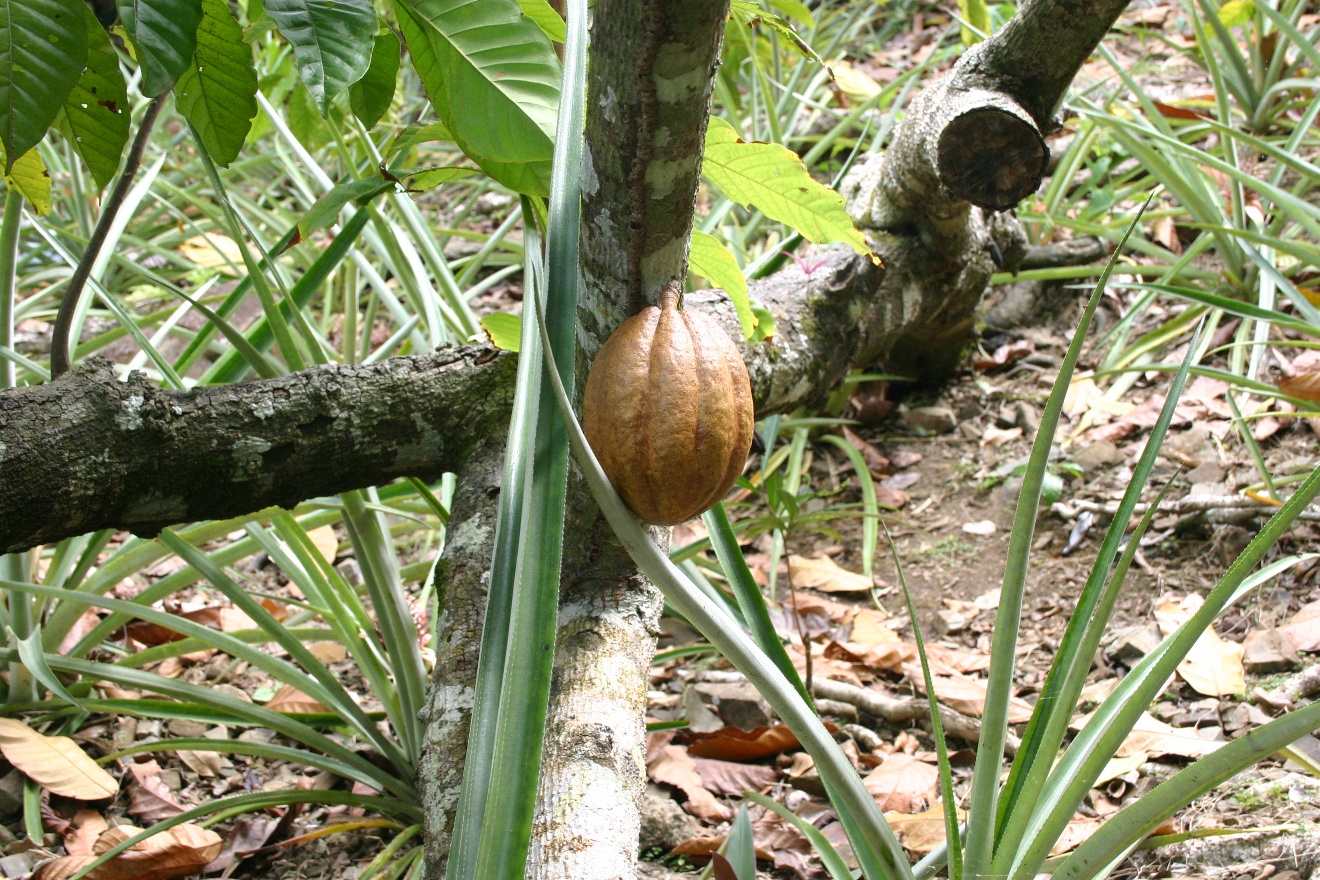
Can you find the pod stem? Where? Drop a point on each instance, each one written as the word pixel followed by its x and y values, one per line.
pixel 669 297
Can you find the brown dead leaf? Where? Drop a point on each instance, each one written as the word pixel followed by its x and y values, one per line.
pixel 732 744
pixel 207 764
pixel 874 458
pixel 904 459
pixel 994 436
pixel 290 699
pixel 54 762
pixel 150 800
pixel 1303 631
pixel 81 835
pixel 675 767
pixel 1213 667
pixel 1075 834
pixel 822 573
pixel 1164 230
pixel 177 852
pixel 903 784
pixel 830 661
pixel 1005 354
pixel 1155 738
pixel 326 542
pixel 891 498
pixel 920 832
pixel 868 628
pixel 732 778
pixel 327 652
pixel 1304 385
pixel 707 845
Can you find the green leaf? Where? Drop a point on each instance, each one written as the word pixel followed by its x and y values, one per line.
pixel 29 177
pixel 739 848
pixel 1236 12
pixel 326 209
pixel 750 14
pixel 29 649
pixel 43 45
pixel 772 179
pixel 504 330
pixel 416 135
pixel 493 79
pixel 424 179
pixel 765 323
pixel 164 32
pixel 96 113
pixel 371 96
pixel 332 42
pixel 217 93
pixel 550 22
pixel 977 15
pixel 712 261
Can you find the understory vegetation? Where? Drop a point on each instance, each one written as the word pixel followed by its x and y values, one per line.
pixel 255 686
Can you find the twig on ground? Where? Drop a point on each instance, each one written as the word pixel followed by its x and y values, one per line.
pixel 1303 685
pixel 899 710
pixel 1192 504
pixel 1291 850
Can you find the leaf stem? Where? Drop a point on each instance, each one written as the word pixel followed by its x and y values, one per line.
pixel 59 347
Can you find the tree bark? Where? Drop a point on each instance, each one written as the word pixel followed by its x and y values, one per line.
pixel 88 451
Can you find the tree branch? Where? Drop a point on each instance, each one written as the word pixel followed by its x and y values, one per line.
pixel 90 452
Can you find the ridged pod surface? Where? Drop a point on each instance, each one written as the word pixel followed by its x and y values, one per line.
pixel 668 411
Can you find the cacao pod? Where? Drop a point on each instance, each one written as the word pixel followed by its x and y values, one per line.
pixel 668 412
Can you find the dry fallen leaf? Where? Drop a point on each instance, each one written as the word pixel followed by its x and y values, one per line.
pixel 151 800
pixel 54 762
pixel 327 652
pixel 207 764
pixel 1155 738
pixel 852 82
pixel 177 852
pixel 83 831
pixel 732 744
pixel 290 699
pixel 675 767
pixel 211 251
pixel 995 436
pixel 1213 667
pixel 903 784
pixel 868 628
pixel 1075 833
pixel 325 541
pixel 822 573
pixel 1303 385
pixel 920 832
pixel 1303 631
pixel 732 778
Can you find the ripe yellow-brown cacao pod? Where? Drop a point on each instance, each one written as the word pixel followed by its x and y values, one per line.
pixel 668 411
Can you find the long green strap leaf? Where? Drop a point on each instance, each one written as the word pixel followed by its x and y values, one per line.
pixel 477 766
pixel 750 601
pixel 994 725
pixel 529 662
